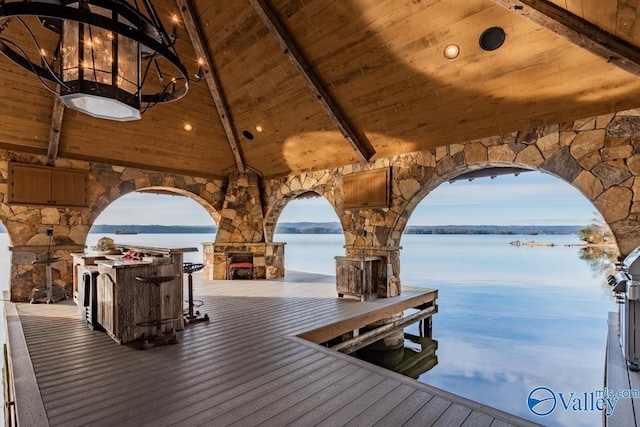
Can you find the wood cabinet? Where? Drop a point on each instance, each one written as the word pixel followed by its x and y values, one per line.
pixel 43 185
pixel 366 190
pixel 129 309
pixel 359 276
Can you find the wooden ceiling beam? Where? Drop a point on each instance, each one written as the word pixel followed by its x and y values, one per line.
pixel 54 133
pixel 363 148
pixel 578 31
pixel 211 77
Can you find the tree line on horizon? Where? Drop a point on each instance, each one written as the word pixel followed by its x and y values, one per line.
pixel 335 228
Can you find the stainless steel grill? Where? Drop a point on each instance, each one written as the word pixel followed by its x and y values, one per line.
pixel 626 287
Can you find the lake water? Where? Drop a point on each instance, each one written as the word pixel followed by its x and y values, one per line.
pixel 510 318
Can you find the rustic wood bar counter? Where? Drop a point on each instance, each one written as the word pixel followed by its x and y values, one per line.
pixel 140 298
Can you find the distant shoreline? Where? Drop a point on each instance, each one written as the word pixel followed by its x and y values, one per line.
pixel 335 228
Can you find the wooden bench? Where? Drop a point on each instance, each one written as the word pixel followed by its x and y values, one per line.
pixel 239 265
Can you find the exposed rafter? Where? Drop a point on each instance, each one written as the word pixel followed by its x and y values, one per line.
pixel 362 147
pixel 54 133
pixel 211 77
pixel 578 31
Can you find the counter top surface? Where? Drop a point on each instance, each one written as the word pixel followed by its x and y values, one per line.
pixel 117 263
pixel 169 250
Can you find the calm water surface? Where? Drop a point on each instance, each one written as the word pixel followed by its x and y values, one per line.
pixel 510 318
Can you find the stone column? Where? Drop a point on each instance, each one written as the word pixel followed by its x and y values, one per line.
pixel 368 235
pixel 241 230
pixel 241 219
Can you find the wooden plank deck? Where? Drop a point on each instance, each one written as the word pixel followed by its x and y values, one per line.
pixel 618 377
pixel 246 367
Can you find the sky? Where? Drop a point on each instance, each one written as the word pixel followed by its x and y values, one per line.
pixel 531 198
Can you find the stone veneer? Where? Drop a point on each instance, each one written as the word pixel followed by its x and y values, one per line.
pixel 600 156
pixel 27 225
pixel 268 259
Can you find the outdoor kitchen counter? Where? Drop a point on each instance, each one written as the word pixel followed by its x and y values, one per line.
pixel 142 298
pixel 152 250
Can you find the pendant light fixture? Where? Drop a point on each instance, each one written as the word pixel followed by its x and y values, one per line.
pixel 105 58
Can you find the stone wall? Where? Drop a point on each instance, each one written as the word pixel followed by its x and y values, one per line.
pixel 599 156
pixel 241 213
pixel 27 225
pixel 268 259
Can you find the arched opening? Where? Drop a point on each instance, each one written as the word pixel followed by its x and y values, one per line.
pixel 5 259
pixel 159 219
pixel 311 229
pixel 5 275
pixel 511 317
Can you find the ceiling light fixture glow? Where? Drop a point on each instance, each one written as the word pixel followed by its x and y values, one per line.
pixel 105 54
pixel 451 51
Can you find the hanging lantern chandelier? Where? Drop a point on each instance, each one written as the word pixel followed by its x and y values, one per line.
pixel 105 58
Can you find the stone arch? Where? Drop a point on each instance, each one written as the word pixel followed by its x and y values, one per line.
pixel 27 225
pixel 215 214
pixel 283 191
pixel 411 204
pixel 113 183
pixel 110 185
pixel 596 156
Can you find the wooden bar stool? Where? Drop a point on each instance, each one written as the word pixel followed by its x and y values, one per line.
pixel 155 301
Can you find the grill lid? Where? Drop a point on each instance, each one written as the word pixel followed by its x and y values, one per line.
pixel 631 263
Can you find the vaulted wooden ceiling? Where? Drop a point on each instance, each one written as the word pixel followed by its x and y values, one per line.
pixel 333 82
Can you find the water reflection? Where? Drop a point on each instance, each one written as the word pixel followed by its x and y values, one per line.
pixel 514 318
pixel 415 356
pixel 601 259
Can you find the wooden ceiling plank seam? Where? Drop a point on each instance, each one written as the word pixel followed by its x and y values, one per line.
pixel 362 48
pixel 147 167
pixel 575 6
pixel 578 31
pixel 363 96
pixel 362 147
pixel 601 13
pixel 56 128
pixel 626 18
pixel 211 77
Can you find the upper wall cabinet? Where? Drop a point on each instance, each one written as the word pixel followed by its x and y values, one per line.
pixel 43 185
pixel 367 190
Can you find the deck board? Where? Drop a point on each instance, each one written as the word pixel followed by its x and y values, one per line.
pixel 617 377
pixel 405 410
pixel 360 405
pixel 246 366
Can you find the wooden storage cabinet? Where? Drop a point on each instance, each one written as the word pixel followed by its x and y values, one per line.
pixel 366 190
pixel 127 308
pixel 43 185
pixel 359 276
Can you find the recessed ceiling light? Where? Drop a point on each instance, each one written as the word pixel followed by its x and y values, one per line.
pixel 187 127
pixel 451 51
pixel 259 129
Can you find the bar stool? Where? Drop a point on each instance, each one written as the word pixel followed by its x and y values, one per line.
pixel 155 299
pixel 49 298
pixel 189 317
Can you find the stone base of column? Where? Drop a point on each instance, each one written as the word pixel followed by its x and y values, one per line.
pixel 268 259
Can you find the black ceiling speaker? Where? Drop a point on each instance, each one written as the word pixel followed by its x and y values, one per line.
pixel 492 38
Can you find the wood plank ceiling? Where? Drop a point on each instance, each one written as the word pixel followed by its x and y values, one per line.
pixel 341 82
